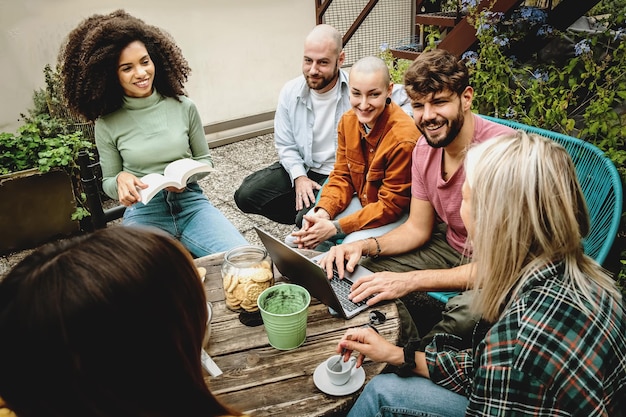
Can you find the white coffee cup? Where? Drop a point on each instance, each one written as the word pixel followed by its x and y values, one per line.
pixel 339 377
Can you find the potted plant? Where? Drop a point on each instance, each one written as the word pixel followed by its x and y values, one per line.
pixel 40 195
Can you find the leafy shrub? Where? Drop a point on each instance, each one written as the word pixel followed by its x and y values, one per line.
pixel 578 94
pixel 397 67
pixel 49 138
pixel 43 143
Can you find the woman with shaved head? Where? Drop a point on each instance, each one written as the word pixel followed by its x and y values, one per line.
pixel 368 191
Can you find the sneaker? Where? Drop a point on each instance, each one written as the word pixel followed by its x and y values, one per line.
pixel 291 241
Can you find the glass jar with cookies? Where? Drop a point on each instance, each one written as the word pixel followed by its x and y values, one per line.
pixel 246 272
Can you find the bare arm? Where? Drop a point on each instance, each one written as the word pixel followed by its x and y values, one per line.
pixel 370 344
pixel 391 285
pixel 410 235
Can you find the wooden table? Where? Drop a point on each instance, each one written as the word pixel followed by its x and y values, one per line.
pixel 263 381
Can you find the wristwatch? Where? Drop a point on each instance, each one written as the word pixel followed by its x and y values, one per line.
pixel 407 367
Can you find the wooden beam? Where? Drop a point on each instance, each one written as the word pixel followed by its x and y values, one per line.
pixel 463 35
pixel 400 54
pixel 320 8
pixel 436 19
pixel 359 20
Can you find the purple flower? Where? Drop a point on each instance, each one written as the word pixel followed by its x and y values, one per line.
pixel 501 40
pixel 483 28
pixel 469 3
pixel 494 17
pixel 540 76
pixel 470 57
pixel 582 47
pixel 384 46
pixel 533 15
pixel 510 113
pixel 545 30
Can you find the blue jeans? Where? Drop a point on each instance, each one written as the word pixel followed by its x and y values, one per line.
pixel 390 395
pixel 190 218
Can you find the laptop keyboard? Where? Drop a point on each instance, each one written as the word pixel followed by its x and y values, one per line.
pixel 342 289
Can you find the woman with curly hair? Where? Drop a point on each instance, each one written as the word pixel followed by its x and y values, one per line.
pixel 128 77
pixel 84 337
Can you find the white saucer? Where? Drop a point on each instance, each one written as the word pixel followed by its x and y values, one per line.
pixel 320 377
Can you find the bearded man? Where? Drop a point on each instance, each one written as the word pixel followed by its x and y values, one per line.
pixel 305 133
pixel 428 252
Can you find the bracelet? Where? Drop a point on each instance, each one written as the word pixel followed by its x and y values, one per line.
pixel 377 247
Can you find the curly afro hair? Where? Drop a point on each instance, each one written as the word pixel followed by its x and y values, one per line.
pixel 89 58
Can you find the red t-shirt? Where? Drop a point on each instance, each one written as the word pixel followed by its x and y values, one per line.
pixel 445 196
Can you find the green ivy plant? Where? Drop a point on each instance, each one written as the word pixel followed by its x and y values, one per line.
pixel 397 67
pixel 48 139
pixel 43 143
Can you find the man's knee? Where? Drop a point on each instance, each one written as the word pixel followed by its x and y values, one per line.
pixel 243 197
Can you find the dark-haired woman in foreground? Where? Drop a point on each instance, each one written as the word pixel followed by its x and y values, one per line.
pixel 108 324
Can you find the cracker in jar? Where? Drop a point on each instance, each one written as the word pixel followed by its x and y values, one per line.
pixel 232 284
pixel 262 275
pixel 239 292
pixel 232 301
pixel 233 305
pixel 249 306
pixel 252 290
pixel 226 281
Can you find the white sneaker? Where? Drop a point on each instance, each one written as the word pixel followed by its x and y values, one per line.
pixel 290 241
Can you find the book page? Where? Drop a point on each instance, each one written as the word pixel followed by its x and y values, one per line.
pixel 175 174
pixel 182 169
pixel 156 182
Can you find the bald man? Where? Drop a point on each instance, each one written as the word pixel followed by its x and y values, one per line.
pixel 368 191
pixel 305 133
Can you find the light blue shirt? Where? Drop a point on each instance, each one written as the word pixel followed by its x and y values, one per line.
pixel 294 120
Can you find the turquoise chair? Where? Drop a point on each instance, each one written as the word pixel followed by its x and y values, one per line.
pixel 601 185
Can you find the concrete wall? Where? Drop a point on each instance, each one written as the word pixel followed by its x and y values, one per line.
pixel 241 52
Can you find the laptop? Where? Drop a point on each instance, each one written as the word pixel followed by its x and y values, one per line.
pixel 306 272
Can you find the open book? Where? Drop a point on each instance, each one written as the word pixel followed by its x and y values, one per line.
pixel 176 174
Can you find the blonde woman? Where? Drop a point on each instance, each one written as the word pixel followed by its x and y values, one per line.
pixel 552 340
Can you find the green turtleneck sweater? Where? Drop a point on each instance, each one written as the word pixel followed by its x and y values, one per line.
pixel 145 135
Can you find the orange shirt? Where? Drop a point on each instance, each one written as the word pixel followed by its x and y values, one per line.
pixel 375 166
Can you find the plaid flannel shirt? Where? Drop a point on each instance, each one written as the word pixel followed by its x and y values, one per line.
pixel 544 357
